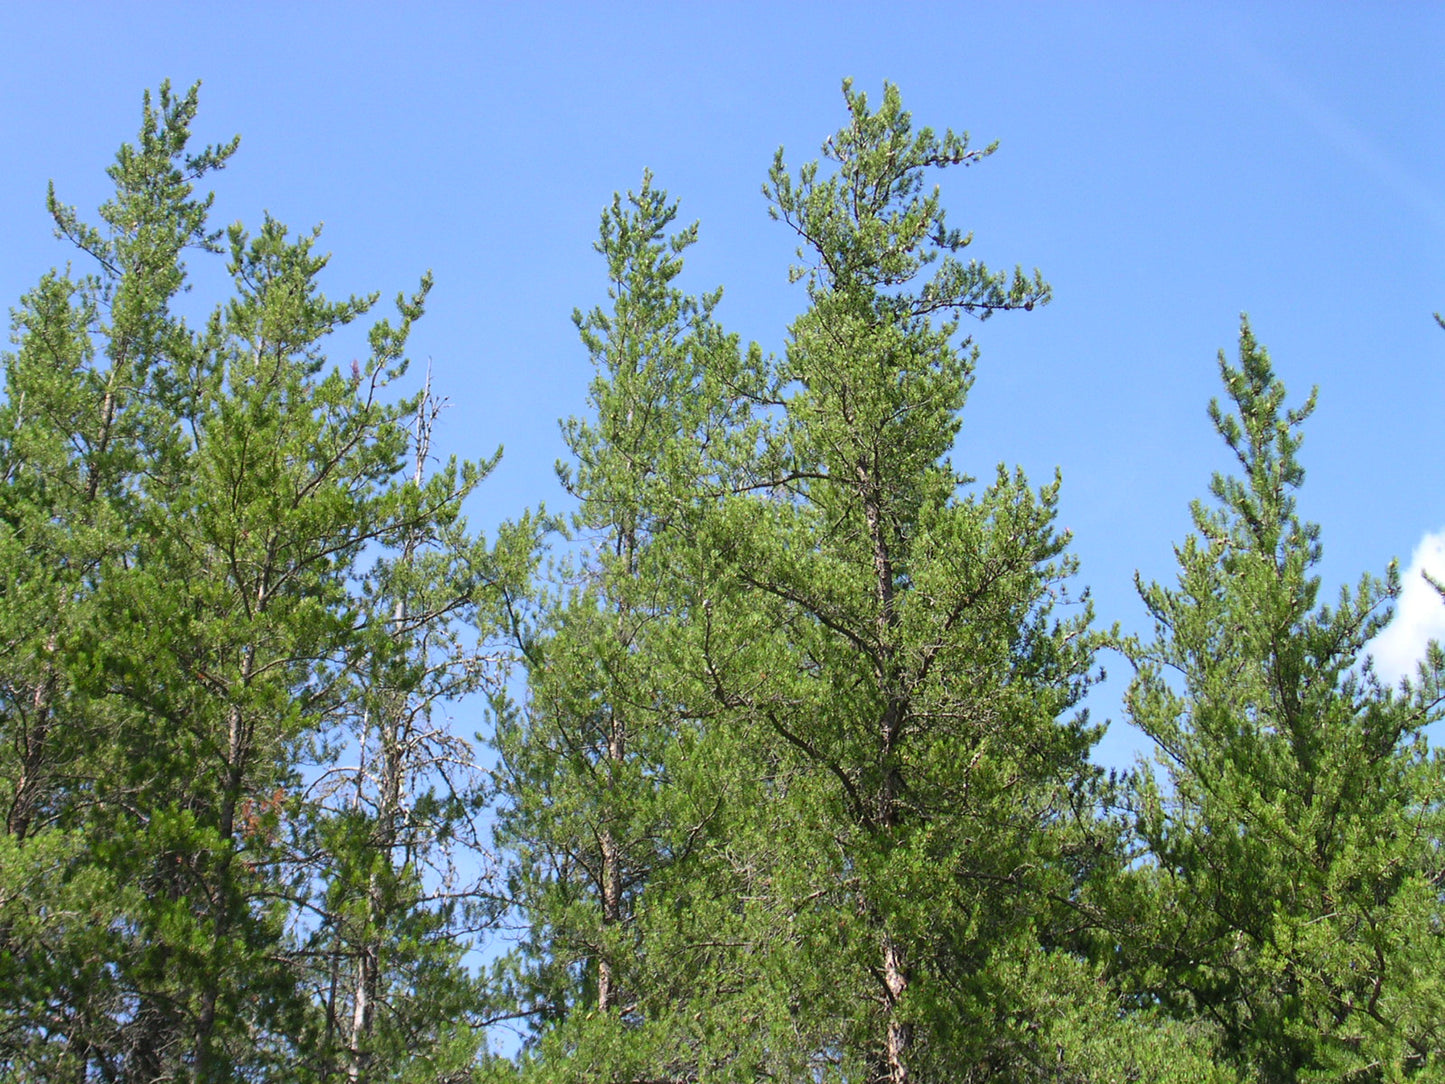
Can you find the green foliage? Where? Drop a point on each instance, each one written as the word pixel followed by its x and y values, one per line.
pixel 189 513
pixel 610 779
pixel 1293 843
pixel 797 785
pixel 909 671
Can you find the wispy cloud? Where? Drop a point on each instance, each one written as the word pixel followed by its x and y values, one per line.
pixel 1419 614
pixel 1351 141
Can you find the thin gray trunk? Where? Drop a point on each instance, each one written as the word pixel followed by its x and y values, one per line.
pixel 368 958
pixel 391 736
pixel 238 751
pixel 616 751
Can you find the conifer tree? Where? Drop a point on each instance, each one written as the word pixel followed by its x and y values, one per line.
pixel 606 767
pixel 189 511
pixel 401 877
pixel 907 674
pixel 92 398
pixel 1294 837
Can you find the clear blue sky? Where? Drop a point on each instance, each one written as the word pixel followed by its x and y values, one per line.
pixel 1167 167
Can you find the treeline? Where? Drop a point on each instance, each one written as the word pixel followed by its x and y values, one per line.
pixel 788 780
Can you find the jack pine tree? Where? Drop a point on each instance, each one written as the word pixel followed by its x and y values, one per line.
pixel 609 776
pixel 905 672
pixel 1293 842
pixel 188 511
pixel 403 882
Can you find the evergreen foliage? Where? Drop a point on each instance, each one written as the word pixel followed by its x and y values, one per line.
pixel 796 786
pixel 187 516
pixel 909 670
pixel 1293 843
pixel 614 786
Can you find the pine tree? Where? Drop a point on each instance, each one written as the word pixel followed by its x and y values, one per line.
pixel 906 674
pixel 90 408
pixel 189 511
pixel 1293 841
pixel 603 803
pixel 402 879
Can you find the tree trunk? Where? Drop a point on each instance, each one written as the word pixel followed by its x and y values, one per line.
pixel 368 958
pixel 607 992
pixel 238 751
pixel 611 878
pixel 32 755
pixel 900 1033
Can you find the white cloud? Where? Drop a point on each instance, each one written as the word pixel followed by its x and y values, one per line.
pixel 1419 613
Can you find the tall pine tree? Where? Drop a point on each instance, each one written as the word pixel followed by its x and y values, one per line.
pixel 1293 842
pixel 189 513
pixel 906 680
pixel 612 781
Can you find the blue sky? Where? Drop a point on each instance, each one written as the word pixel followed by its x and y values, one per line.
pixel 1166 167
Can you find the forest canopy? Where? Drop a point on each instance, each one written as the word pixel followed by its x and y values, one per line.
pixel 769 761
